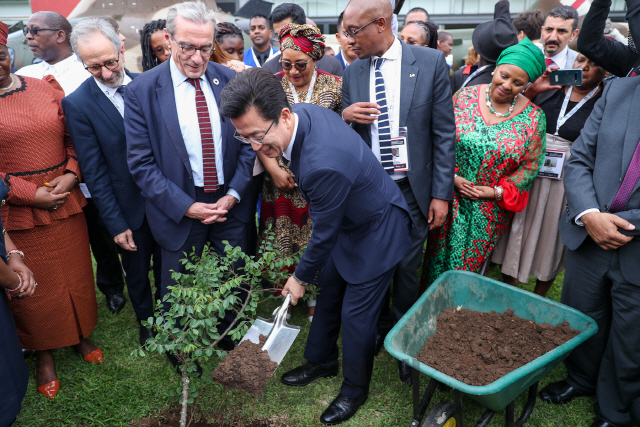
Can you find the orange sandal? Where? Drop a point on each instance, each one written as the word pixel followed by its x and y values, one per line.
pixel 94 357
pixel 49 389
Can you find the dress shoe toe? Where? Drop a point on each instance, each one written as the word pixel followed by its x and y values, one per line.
pixel 95 356
pixel 559 393
pixel 341 409
pixel 405 372
pixel 115 302
pixel 145 334
pixel 49 389
pixel 309 372
pixel 599 422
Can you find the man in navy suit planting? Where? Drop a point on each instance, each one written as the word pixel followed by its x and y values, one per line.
pixel 361 228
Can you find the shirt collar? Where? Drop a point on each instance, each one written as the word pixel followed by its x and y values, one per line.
pixel 560 57
pixel 111 91
pixel 287 152
pixel 176 76
pixel 65 63
pixel 393 53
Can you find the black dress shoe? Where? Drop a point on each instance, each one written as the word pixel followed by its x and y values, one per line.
pixel 599 422
pixel 405 373
pixel 379 343
pixel 559 393
pixel 305 374
pixel 145 333
pixel 341 409
pixel 115 302
pixel 176 363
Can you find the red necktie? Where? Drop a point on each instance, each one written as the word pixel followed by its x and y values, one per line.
pixel 206 134
pixel 549 62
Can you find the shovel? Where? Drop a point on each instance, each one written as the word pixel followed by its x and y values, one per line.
pixel 280 334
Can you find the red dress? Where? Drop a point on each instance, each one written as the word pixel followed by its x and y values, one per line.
pixel 35 148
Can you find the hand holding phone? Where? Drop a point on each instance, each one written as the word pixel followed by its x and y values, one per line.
pixel 572 77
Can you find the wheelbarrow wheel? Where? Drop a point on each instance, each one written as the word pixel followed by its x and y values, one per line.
pixel 442 415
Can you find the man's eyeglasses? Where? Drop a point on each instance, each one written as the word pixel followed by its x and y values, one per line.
pixel 110 65
pixel 258 141
pixel 354 33
pixel 190 50
pixel 34 30
pixel 300 66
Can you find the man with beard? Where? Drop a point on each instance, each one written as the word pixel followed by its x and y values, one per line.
pixel 260 33
pixel 47 35
pixel 94 115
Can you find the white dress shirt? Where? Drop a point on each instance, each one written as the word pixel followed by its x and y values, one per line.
pixel 185 95
pixel 111 93
pixel 286 154
pixel 69 72
pixel 560 59
pixel 391 70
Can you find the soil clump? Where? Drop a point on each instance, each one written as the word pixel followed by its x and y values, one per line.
pixel 246 368
pixel 479 348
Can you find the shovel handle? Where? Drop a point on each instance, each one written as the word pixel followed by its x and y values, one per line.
pixel 281 314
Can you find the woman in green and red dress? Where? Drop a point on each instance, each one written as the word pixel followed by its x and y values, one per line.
pixel 500 145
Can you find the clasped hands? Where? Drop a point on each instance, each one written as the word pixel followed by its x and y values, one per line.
pixel 468 190
pixel 604 229
pixel 55 192
pixel 208 213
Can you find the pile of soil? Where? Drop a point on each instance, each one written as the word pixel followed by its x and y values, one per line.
pixel 479 348
pixel 246 368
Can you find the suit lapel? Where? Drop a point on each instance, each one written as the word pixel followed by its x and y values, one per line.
pixel 632 137
pixel 167 102
pixel 107 106
pixel 408 78
pixel 215 82
pixel 364 95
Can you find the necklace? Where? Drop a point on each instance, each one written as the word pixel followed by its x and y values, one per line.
pixel 10 84
pixel 493 110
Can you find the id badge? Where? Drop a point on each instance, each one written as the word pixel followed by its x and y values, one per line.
pixel 553 164
pixel 400 151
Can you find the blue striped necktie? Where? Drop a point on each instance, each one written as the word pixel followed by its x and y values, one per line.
pixel 384 127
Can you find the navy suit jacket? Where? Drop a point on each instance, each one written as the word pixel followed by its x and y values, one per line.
pixel 97 132
pixel 340 58
pixel 158 158
pixel 351 200
pixel 426 109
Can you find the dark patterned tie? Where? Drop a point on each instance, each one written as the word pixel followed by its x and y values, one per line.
pixel 206 135
pixel 630 180
pixel 121 90
pixel 384 126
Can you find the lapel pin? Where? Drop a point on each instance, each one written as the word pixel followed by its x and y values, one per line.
pixel 216 82
pixel 412 75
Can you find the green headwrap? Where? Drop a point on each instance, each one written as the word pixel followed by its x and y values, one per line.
pixel 525 55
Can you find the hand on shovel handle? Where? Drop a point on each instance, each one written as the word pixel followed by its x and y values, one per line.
pixel 295 289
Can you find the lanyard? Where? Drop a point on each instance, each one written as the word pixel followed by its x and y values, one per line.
pixel 309 92
pixel 475 73
pixel 562 118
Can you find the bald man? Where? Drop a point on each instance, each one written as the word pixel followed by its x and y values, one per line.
pixel 396 90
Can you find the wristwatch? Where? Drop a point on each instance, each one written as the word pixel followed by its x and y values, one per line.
pixel 298 280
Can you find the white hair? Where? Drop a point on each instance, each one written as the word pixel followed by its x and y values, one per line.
pixel 90 26
pixel 194 11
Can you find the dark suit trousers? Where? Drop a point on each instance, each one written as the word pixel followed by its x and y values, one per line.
pixel 356 307
pixel 105 251
pixel 232 230
pixel 405 290
pixel 608 364
pixel 136 266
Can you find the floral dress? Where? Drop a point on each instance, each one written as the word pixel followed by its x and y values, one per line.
pixel 507 153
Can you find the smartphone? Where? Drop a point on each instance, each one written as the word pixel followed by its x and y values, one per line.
pixel 566 77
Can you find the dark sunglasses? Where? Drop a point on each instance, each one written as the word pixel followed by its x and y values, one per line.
pixel 34 30
pixel 300 66
pixel 110 65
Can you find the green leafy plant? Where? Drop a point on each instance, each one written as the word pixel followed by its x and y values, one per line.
pixel 212 287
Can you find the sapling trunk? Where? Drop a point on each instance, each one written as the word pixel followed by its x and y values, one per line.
pixel 185 397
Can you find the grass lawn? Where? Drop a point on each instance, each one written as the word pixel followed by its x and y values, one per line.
pixel 125 388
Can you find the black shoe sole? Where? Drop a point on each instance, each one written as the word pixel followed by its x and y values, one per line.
pixel 308 382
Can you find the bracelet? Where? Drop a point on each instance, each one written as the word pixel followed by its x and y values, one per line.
pixel 498 191
pixel 74 174
pixel 19 286
pixel 298 280
pixel 15 251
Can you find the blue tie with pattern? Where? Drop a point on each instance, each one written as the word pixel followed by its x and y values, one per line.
pixel 384 126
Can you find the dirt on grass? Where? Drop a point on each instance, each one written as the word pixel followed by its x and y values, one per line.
pixel 171 418
pixel 479 348
pixel 247 367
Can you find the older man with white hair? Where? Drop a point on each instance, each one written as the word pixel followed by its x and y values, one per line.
pixel 192 172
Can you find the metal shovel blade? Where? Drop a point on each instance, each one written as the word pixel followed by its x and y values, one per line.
pixel 280 334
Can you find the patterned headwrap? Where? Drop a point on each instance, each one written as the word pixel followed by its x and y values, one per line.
pixel 525 55
pixel 305 38
pixel 4 32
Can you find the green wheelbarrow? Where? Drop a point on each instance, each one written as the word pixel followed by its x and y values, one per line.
pixel 478 293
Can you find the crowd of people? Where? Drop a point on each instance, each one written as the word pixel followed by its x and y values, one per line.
pixel 499 166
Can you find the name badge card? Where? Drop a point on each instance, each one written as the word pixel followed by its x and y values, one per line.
pixel 552 165
pixel 400 151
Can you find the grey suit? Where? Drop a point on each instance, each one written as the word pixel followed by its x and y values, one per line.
pixel 424 91
pixel 605 284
